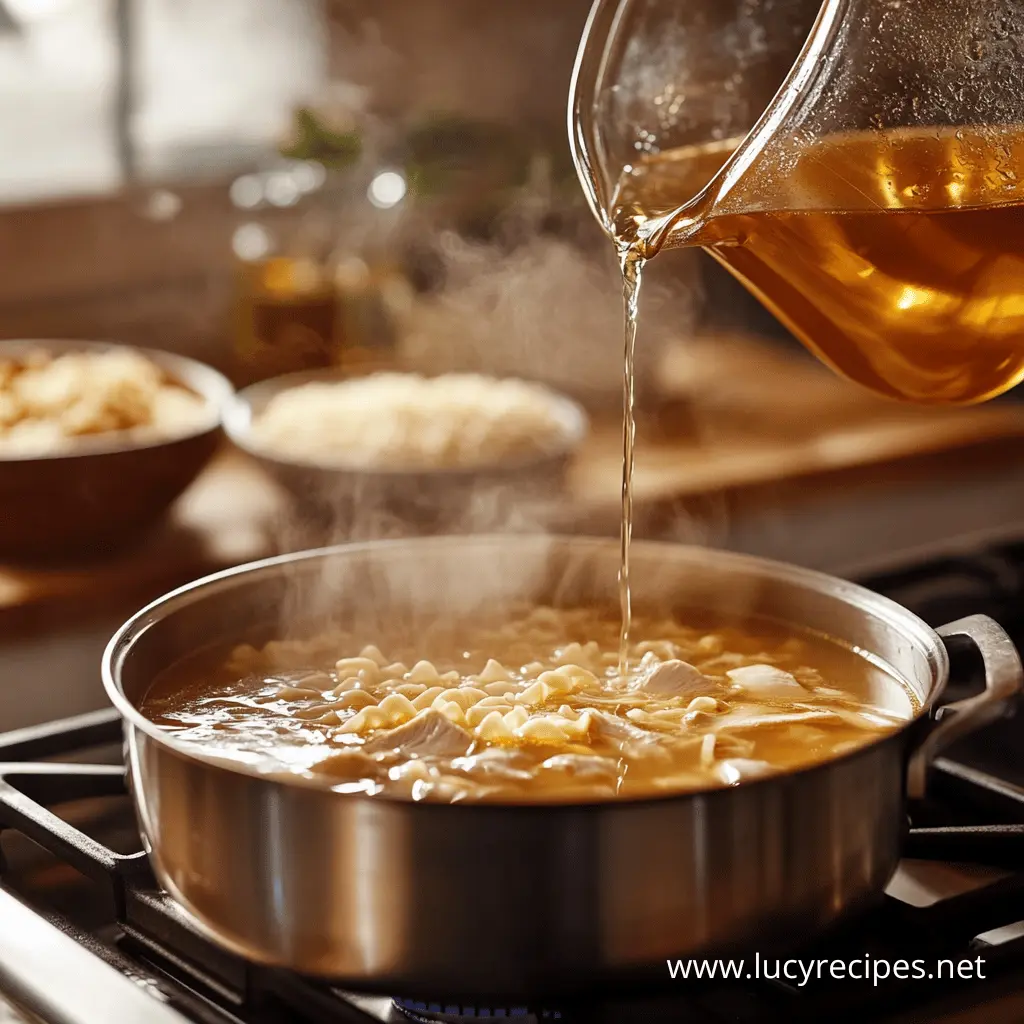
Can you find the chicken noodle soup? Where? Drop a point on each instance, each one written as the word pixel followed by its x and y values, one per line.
pixel 532 707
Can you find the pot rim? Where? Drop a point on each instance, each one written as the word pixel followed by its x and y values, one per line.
pixel 893 614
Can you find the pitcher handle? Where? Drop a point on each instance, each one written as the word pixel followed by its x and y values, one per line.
pixel 1004 679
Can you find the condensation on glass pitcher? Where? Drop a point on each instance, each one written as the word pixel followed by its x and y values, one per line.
pixel 896 65
pixel 676 82
pixel 699 73
pixel 675 75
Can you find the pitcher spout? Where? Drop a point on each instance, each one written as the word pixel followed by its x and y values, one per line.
pixel 685 87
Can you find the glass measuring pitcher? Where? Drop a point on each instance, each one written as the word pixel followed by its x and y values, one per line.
pixel 857 164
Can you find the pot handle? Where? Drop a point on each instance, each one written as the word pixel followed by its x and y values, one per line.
pixel 1004 679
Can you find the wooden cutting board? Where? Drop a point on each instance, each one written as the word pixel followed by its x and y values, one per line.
pixel 737 413
pixel 734 414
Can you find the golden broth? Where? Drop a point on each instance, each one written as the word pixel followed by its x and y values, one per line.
pixel 896 256
pixel 532 707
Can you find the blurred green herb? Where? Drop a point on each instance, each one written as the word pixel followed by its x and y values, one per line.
pixel 446 150
pixel 314 140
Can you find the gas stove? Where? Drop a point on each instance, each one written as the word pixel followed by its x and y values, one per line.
pixel 87 937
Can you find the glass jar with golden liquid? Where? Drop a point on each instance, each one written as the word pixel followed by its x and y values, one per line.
pixel 286 316
pixel 858 165
pixel 314 276
pixel 286 303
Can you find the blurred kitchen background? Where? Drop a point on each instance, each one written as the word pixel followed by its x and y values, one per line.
pixel 277 185
pixel 157 151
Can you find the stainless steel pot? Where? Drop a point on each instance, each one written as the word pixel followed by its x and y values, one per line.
pixel 475 900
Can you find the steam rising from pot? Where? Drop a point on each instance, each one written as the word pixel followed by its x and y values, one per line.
pixel 529 304
pixel 548 311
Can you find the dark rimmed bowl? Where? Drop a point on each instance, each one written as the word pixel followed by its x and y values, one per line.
pixel 105 492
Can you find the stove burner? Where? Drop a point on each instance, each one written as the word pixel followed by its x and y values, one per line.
pixel 427 1012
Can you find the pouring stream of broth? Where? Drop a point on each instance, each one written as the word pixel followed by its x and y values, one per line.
pixel 632 264
pixel 638 225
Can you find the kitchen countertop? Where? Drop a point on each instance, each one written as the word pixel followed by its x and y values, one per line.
pixel 740 434
pixel 823 516
pixel 55 624
pixel 830 479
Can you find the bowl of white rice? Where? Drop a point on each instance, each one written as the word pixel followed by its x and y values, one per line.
pixel 455 451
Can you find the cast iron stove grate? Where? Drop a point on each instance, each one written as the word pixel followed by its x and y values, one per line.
pixel 150 941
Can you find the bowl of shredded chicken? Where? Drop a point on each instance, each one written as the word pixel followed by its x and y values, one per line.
pixel 96 442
